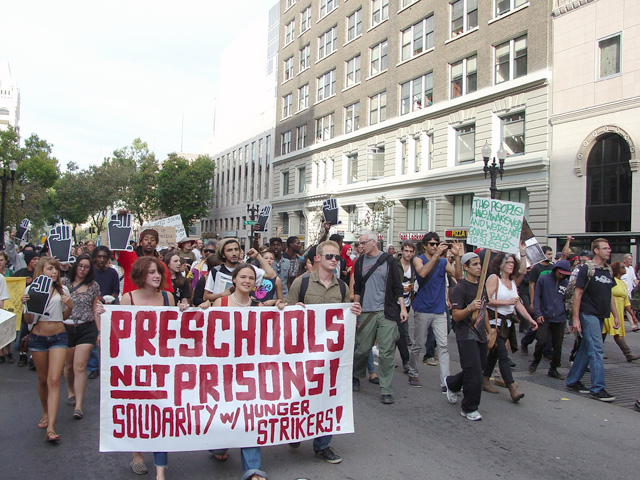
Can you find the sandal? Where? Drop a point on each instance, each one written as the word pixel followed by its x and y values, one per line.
pixel 635 328
pixel 71 401
pixel 43 423
pixel 77 414
pixel 138 468
pixel 52 437
pixel 220 457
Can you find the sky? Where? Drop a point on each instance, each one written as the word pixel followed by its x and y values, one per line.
pixel 93 76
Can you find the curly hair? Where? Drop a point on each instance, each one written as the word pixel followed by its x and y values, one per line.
pixel 500 259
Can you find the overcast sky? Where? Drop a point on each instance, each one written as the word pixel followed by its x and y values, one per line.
pixel 95 75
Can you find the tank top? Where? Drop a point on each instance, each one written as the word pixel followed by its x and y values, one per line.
pixel 503 293
pixel 266 290
pixel 165 298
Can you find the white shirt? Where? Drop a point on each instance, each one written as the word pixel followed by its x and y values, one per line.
pixel 629 279
pixel 223 280
pixel 4 290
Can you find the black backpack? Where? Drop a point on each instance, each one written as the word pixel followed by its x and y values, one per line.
pixel 304 285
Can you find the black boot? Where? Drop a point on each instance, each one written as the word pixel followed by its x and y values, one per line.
pixel 23 360
pixel 554 373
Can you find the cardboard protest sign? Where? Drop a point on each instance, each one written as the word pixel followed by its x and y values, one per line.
pixel 174 221
pixel 224 377
pixel 330 211
pixel 166 237
pixel 119 232
pixel 16 287
pixel 533 251
pixel 60 241
pixel 39 295
pixel 263 218
pixel 496 225
pixel 23 228
pixel 7 328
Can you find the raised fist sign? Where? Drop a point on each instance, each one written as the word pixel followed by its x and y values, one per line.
pixel 60 243
pixel 119 232
pixel 39 294
pixel 23 228
pixel 263 218
pixel 330 211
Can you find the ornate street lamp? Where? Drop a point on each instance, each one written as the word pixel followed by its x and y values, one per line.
pixel 494 169
pixel 6 176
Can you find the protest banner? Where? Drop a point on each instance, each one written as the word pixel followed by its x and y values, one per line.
pixel 7 327
pixel 496 224
pixel 224 377
pixel 16 287
pixel 174 221
pixel 166 237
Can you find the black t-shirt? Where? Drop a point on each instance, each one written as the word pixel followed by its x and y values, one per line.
pixel 180 292
pixel 596 298
pixel 539 269
pixel 460 296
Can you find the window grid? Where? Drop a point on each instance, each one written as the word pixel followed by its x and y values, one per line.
pixel 285 186
pixel 326 85
pixel 288 69
pixel 287 105
pixel 354 25
pixel 289 32
pixel 375 163
pixel 305 19
pixel 464 77
pixel 301 137
pixel 303 97
pixel 417 38
pixel 417 215
pixel 379 11
pixel 352 168
pixel 378 55
pixel 324 128
pixel 465 144
pixel 464 16
pixel 352 74
pixel 511 59
pixel 327 6
pixel 505 6
pixel 462 210
pixel 416 94
pixel 327 42
pixel 513 133
pixel 285 146
pixel 352 117
pixel 378 108
pixel 305 58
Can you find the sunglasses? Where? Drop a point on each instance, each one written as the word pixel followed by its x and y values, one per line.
pixel 331 256
pixel 208 250
pixel 433 244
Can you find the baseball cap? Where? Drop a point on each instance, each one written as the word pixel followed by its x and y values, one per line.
pixel 468 256
pixel 563 266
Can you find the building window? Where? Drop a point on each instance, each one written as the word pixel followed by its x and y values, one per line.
pixel 324 128
pixel 303 97
pixel 378 108
pixel 464 77
pixel 287 105
pixel 418 147
pixel 406 3
pixel 464 16
pixel 379 11
pixel 519 195
pixel 285 222
pixel 416 94
pixel 285 183
pixel 505 6
pixel 404 154
pixel 302 179
pixel 513 133
pixel 375 163
pixel 352 117
pixel 417 38
pixel 352 74
pixel 327 6
pixel 290 3
pixel 462 210
pixel 326 85
pixel 354 25
pixel 286 143
pixel 465 144
pixel 352 168
pixel 378 55
pixel 417 215
pixel 511 59
pixel 327 42
pixel 288 69
pixel 289 32
pixel 305 58
pixel 301 137
pixel 609 57
pixel 305 19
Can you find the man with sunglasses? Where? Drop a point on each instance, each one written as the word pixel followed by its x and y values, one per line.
pixel 323 287
pixel 430 303
pixel 378 288
pixel 200 267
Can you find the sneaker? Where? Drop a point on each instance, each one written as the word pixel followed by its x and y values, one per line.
pixel 473 416
pixel 356 384
pixel 512 364
pixel 524 349
pixel 328 455
pixel 414 382
pixel 451 395
pixel 603 396
pixel 93 374
pixel 432 361
pixel 387 399
pixel 443 389
pixel 294 446
pixel 578 387
pixel 533 366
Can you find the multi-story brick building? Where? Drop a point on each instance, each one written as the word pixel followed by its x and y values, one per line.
pixel 398 97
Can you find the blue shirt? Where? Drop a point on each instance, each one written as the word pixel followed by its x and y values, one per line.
pixel 431 297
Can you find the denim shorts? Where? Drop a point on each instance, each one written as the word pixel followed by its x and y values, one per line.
pixel 81 333
pixel 38 343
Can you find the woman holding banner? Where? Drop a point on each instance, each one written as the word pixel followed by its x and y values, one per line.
pixel 48 340
pixel 502 291
pixel 244 281
pixel 148 274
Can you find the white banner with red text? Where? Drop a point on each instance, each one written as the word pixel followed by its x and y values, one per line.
pixel 224 377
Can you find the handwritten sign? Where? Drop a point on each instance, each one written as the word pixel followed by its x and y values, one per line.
pixel 14 304
pixel 224 377
pixel 174 221
pixel 166 237
pixel 496 224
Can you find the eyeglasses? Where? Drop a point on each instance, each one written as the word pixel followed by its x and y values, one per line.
pixel 367 241
pixel 407 251
pixel 208 250
pixel 433 244
pixel 331 256
pixel 83 267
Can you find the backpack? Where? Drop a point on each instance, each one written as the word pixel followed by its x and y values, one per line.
pixel 304 285
pixel 571 287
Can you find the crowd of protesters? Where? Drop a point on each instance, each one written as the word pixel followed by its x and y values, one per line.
pixel 410 300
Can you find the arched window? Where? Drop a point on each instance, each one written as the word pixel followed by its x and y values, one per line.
pixel 609 185
pixel 4 111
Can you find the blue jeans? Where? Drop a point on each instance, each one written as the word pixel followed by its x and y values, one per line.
pixel 160 459
pixel 589 353
pixel 371 367
pixel 94 360
pixel 320 443
pixel 249 461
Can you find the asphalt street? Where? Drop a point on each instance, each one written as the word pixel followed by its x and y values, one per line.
pixel 551 433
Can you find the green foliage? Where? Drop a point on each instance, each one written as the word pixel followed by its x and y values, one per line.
pixel 185 188
pixel 377 219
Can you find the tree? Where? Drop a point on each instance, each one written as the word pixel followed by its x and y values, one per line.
pixel 140 168
pixel 71 198
pixel 377 219
pixel 185 188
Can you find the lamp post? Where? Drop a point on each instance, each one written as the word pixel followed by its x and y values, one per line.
pixel 494 169
pixel 252 210
pixel 6 176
